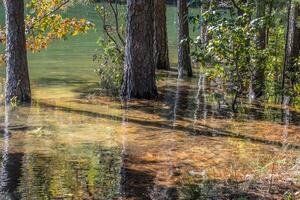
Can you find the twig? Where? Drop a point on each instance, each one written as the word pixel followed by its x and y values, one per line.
pixel 116 15
pixel 103 18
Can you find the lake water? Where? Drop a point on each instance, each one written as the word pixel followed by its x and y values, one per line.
pixel 185 145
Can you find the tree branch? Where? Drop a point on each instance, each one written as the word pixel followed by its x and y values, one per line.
pixel 49 13
pixel 115 11
pixel 240 10
pixel 103 18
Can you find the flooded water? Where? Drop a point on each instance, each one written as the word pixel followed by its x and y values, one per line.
pixel 187 144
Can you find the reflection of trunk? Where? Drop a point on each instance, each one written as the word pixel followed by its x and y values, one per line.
pixel 17 77
pixel 181 101
pixel 201 104
pixel 176 101
pixel 259 76
pixel 122 184
pixel 286 121
pixel 184 59
pixel 292 49
pixel 5 157
pixel 139 75
pixel 161 52
pixel 11 165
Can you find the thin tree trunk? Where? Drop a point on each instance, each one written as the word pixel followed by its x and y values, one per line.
pixel 184 59
pixel 269 15
pixel 139 68
pixel 292 49
pixel 203 30
pixel 17 76
pixel 259 76
pixel 161 51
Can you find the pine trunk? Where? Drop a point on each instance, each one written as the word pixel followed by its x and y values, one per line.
pixel 259 76
pixel 17 76
pixel 184 59
pixel 205 6
pixel 161 51
pixel 292 49
pixel 139 68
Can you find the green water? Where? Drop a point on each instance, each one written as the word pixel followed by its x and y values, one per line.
pixel 63 63
pixel 184 145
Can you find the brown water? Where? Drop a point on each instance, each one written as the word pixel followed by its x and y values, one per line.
pixel 78 146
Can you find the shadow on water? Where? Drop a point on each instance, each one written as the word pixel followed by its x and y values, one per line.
pixel 206 130
pixel 65 80
pixel 194 101
pixel 185 145
pixel 85 171
pixel 182 101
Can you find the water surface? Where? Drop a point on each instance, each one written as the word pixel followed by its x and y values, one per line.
pixel 187 144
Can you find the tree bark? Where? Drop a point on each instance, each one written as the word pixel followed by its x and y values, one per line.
pixel 161 51
pixel 17 76
pixel 205 6
pixel 139 68
pixel 270 10
pixel 259 75
pixel 184 59
pixel 292 48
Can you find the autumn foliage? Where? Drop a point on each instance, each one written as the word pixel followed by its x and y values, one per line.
pixel 44 23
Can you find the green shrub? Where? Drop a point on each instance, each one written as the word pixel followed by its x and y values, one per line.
pixel 110 67
pixel 110 60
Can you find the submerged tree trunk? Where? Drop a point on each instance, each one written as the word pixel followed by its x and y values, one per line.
pixel 259 75
pixel 161 51
pixel 139 68
pixel 184 59
pixel 292 49
pixel 17 76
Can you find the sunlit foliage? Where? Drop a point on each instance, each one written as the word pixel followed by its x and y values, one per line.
pixel 45 23
pixel 111 46
pixel 231 51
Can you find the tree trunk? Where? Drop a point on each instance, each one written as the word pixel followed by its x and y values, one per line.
pixel 139 68
pixel 161 51
pixel 270 10
pixel 205 6
pixel 292 49
pixel 184 59
pixel 17 76
pixel 259 76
